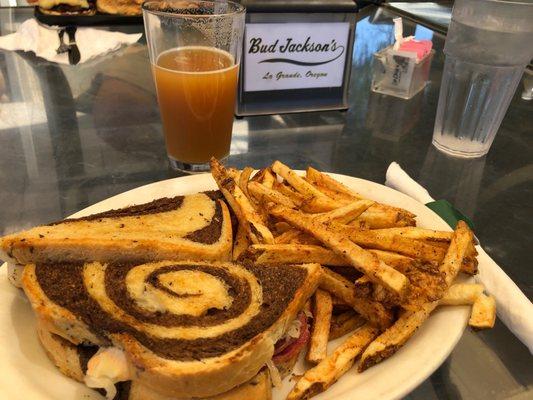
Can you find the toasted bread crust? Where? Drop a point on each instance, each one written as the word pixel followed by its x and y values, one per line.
pixel 257 388
pixel 61 352
pixel 14 274
pixel 54 318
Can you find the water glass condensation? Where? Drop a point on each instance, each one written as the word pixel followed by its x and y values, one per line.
pixel 195 49
pixel 488 45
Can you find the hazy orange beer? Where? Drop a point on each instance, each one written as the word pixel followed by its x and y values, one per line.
pixel 195 51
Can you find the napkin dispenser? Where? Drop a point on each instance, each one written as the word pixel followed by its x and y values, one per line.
pixel 297 56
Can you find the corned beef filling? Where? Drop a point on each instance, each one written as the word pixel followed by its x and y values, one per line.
pixel 289 347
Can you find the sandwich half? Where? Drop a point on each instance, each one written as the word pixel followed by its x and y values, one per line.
pixel 168 329
pixel 120 7
pixel 72 360
pixel 67 7
pixel 195 227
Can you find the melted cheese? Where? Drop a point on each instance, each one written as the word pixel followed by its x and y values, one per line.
pixel 48 4
pixel 275 376
pixel 294 329
pixel 107 367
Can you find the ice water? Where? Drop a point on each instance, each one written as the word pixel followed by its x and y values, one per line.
pixel 485 60
pixel 472 103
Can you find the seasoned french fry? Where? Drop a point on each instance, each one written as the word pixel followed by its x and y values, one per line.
pixel 329 370
pixel 363 284
pixel 282 227
pixel 345 213
pixel 359 258
pixel 243 180
pixel 326 181
pixel 248 217
pixel 304 238
pixel 296 181
pixel 379 220
pixel 294 236
pixel 258 176
pixel 314 198
pixel 284 253
pixel 308 204
pixel 442 245
pixel 339 303
pixel 461 294
pixel 234 173
pixel 471 250
pixel 401 262
pixel 263 193
pixel 285 238
pixel 427 284
pixel 383 240
pixel 414 232
pixel 470 261
pixel 379 215
pixel 365 288
pixel 241 243
pixel 462 238
pixel 340 198
pixel 395 337
pixel 344 323
pixel 289 192
pixel 469 266
pixel 380 207
pixel 268 178
pixel 319 204
pixel 323 307
pixel 395 260
pixel 439 238
pixel 286 250
pixel 399 244
pixel 342 288
pixel 483 312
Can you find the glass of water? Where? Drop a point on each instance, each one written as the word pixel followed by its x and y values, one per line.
pixel 489 43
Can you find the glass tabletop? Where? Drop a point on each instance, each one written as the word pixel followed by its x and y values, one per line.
pixel 71 136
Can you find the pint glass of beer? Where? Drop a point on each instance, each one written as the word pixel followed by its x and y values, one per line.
pixel 195 49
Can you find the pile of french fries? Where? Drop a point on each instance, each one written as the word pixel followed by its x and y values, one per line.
pixel 385 274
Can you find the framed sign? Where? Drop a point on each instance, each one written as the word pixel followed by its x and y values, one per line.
pixel 294 56
pixel 296 62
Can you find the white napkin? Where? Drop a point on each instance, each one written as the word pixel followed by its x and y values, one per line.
pixel 513 307
pixel 44 41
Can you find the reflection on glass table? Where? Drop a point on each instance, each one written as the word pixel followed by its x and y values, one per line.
pixel 61 154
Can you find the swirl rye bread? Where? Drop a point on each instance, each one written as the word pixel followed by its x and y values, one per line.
pixel 72 361
pixel 188 329
pixel 196 227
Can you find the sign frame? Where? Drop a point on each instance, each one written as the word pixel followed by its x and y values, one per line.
pixel 266 102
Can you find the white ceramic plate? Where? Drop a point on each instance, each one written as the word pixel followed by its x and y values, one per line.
pixel 26 372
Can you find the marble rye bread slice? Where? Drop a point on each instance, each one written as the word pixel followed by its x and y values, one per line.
pixel 187 329
pixel 196 226
pixel 72 361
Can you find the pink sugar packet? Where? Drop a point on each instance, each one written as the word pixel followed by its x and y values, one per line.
pixel 420 47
